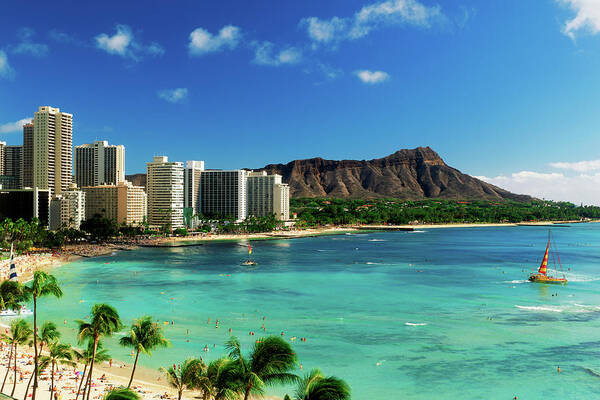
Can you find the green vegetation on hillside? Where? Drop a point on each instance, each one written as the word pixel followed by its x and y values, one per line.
pixel 315 211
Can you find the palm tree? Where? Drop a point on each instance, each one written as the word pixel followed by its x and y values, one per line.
pixel 48 334
pixel 268 364
pixel 315 386
pixel 11 295
pixel 43 284
pixel 144 336
pixel 20 331
pixel 121 394
pixel 85 356
pixel 60 353
pixel 217 381
pixel 104 322
pixel 184 376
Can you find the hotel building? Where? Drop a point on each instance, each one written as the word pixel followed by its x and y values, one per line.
pixel 99 164
pixel 47 150
pixel 164 183
pixel 122 203
pixel 67 210
pixel 267 195
pixel 26 204
pixel 223 194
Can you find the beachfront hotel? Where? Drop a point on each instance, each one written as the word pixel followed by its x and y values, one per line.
pixel 223 194
pixel 267 195
pixel 47 150
pixel 164 185
pixel 67 210
pixel 122 203
pixel 99 163
pixel 25 203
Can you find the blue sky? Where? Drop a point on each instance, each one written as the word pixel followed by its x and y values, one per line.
pixel 498 88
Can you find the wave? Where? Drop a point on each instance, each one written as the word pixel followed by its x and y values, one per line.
pixel 580 278
pixel 415 323
pixel 417 231
pixel 517 281
pixel 372 263
pixel 377 240
pixel 540 308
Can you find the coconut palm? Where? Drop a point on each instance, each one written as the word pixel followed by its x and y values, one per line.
pixel 268 364
pixel 144 336
pixel 104 322
pixel 43 284
pixel 218 380
pixel 184 376
pixel 20 332
pixel 11 295
pixel 85 356
pixel 59 354
pixel 48 334
pixel 316 386
pixel 121 394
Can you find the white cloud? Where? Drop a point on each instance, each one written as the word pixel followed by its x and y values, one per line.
pixel 5 69
pixel 581 188
pixel 173 95
pixel 26 44
pixel 264 54
pixel 124 44
pixel 203 42
pixel 12 127
pixel 579 166
pixel 372 77
pixel 587 17
pixel 369 18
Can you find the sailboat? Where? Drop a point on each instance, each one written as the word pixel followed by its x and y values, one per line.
pixel 542 275
pixel 249 261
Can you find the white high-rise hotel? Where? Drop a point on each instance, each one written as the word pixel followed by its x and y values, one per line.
pixel 165 192
pixel 48 150
pixel 99 164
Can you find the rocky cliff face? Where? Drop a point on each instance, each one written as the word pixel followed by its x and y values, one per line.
pixel 409 174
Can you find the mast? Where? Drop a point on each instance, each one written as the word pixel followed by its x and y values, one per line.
pixel 544 266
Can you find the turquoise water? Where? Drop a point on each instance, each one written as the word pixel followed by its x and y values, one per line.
pixel 439 314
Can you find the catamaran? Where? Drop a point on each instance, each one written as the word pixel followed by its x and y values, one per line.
pixel 542 275
pixel 249 261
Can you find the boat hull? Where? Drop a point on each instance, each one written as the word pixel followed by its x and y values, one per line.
pixel 539 278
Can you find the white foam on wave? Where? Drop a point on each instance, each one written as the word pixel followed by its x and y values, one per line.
pixel 517 281
pixel 417 231
pixel 377 240
pixel 372 263
pixel 571 277
pixel 540 308
pixel 586 308
pixel 415 323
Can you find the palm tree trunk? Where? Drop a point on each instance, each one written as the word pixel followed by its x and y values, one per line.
pixel 180 394
pixel 133 370
pixel 92 366
pixel 7 368
pixel 247 392
pixel 35 349
pixel 31 377
pixel 52 381
pixel 15 382
pixel 80 383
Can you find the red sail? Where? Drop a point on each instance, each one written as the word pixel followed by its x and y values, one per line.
pixel 544 265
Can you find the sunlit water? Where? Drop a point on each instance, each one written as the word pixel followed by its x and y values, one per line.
pixel 439 314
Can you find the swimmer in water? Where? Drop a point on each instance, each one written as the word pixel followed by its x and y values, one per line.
pixel 558 370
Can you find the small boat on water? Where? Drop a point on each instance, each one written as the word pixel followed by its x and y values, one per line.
pixel 16 313
pixel 542 275
pixel 249 261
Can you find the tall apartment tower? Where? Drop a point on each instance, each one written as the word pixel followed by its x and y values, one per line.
pixel 191 186
pixel 223 194
pixel 51 150
pixel 2 150
pixel 27 155
pixel 164 185
pixel 99 164
pixel 267 195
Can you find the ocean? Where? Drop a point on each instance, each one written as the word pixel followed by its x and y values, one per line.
pixel 429 314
